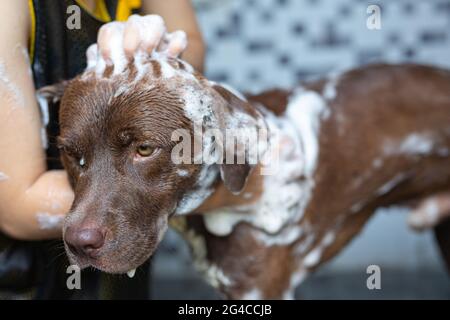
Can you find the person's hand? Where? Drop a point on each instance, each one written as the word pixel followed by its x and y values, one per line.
pixel 120 42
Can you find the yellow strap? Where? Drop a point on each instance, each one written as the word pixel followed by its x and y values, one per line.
pixel 125 7
pixel 123 11
pixel 32 30
pixel 100 12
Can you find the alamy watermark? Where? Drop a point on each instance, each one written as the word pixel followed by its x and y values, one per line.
pixel 250 146
pixel 373 282
pixel 73 281
pixel 73 21
pixel 373 22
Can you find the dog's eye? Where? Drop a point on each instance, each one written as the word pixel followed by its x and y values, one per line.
pixel 145 150
pixel 73 154
pixel 82 162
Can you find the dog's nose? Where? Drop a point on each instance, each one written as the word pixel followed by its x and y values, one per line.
pixel 84 242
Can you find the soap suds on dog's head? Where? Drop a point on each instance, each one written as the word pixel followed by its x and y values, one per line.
pixel 148 70
pixel 178 42
pixel 111 42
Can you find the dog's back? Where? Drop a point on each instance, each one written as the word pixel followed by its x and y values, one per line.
pixel 388 137
pixel 387 143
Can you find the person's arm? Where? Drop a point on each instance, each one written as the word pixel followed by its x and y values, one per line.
pixel 32 199
pixel 180 15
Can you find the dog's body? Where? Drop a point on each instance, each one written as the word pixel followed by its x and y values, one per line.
pixel 347 145
pixel 385 141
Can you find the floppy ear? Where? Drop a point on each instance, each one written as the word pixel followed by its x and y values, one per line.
pixel 241 116
pixel 48 99
pixel 52 93
pixel 234 176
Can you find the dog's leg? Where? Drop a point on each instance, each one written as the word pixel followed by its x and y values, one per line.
pixel 430 211
pixel 434 212
pixel 240 265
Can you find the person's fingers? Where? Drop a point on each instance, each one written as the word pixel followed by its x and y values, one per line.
pixel 132 36
pixel 152 32
pixel 103 38
pixel 119 42
pixel 91 55
pixel 177 43
pixel 109 40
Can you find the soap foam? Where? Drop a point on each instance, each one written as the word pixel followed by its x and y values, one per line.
pixel 413 144
pixel 3 177
pixel 15 94
pixel 45 118
pixel 151 30
pixel 286 193
pixel 49 221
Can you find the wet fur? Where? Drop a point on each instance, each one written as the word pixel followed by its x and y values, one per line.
pixel 127 199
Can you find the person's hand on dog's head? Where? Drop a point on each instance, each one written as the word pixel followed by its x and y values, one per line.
pixel 120 42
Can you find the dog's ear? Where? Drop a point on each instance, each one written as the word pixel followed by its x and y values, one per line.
pixel 234 176
pixel 48 99
pixel 52 93
pixel 242 119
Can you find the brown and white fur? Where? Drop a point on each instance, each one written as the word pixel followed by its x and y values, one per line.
pixel 383 138
pixel 346 145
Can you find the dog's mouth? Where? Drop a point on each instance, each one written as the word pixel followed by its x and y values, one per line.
pixel 116 253
pixel 130 273
pixel 104 265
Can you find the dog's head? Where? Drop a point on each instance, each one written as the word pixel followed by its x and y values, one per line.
pixel 121 141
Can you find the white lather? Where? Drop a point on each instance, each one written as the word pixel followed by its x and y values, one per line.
pixel 291 163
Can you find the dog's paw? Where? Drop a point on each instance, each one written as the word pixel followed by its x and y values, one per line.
pixel 119 43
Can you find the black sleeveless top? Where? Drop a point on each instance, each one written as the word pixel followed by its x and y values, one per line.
pixel 57 53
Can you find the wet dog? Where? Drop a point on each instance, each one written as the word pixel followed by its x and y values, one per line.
pixel 342 147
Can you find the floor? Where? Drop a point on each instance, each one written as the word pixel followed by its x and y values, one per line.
pixel 395 284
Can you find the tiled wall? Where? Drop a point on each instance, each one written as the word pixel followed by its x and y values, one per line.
pixel 257 44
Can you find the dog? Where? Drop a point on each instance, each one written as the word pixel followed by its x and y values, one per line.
pixel 343 146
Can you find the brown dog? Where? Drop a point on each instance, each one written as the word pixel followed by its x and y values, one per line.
pixel 344 146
